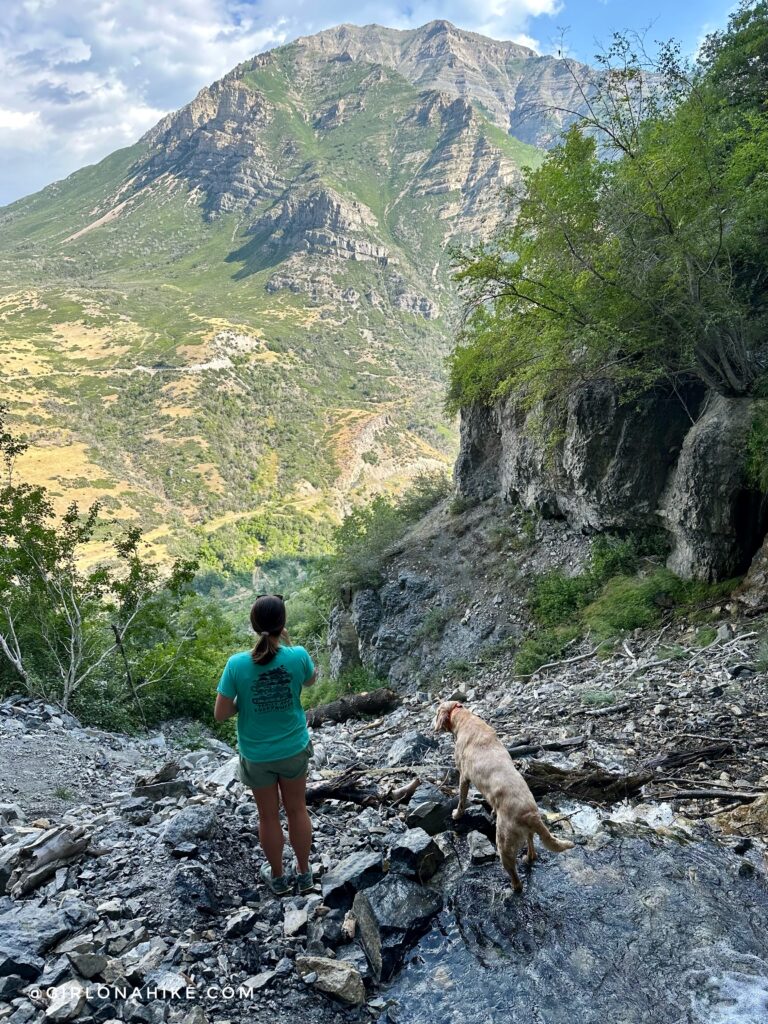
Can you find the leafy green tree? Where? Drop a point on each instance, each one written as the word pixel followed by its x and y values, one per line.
pixel 638 249
pixel 60 624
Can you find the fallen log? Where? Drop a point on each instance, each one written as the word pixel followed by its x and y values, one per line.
pixel 591 782
pixel 680 758
pixel 373 702
pixel 346 786
pixel 42 858
pixel 525 748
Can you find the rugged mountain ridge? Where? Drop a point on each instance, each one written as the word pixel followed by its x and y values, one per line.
pixel 304 203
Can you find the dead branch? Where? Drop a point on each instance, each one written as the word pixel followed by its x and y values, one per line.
pixel 741 796
pixel 680 758
pixel 523 749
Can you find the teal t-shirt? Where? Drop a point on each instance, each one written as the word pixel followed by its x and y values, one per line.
pixel 271 723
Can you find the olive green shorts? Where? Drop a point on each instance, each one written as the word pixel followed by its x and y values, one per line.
pixel 256 774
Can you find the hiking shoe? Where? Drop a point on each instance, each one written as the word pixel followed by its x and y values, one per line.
pixel 305 882
pixel 280 886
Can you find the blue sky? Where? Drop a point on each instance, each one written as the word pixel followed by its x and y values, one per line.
pixel 81 78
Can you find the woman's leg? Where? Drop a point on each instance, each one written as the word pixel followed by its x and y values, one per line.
pixel 293 792
pixel 270 829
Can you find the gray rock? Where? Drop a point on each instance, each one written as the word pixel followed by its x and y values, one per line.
pixel 240 923
pixel 26 932
pixel 198 821
pixel 481 850
pixel 88 963
pixel 416 854
pixel 67 1000
pixel 715 517
pixel 410 748
pixel 259 981
pixel 294 921
pixel 342 642
pixel 11 812
pixel 391 916
pixel 10 985
pixel 355 872
pixel 429 809
pixel 335 977
pixel 226 774
pixel 159 790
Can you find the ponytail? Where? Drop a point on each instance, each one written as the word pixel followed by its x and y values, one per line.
pixel 268 621
pixel 268 645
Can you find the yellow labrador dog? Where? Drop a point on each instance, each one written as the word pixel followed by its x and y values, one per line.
pixel 483 761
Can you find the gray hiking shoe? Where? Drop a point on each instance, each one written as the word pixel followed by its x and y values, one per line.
pixel 279 885
pixel 305 882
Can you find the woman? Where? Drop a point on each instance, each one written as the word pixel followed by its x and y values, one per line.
pixel 263 688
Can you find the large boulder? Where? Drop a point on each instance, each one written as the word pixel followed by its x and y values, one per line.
pixel 197 821
pixel 392 915
pixel 410 748
pixel 716 518
pixel 416 854
pixel 429 809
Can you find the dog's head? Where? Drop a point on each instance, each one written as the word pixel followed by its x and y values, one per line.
pixel 443 715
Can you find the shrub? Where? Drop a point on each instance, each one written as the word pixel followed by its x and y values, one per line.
pixel 433 623
pixel 558 598
pixel 543 646
pixel 326 689
pixel 426 490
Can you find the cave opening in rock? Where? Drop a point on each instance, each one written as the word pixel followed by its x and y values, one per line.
pixel 751 523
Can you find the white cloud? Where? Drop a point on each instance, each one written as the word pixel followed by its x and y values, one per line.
pixel 80 78
pixel 16 120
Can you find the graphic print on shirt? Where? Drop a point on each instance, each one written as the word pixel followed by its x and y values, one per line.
pixel 272 691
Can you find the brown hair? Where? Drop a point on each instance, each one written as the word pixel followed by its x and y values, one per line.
pixel 268 621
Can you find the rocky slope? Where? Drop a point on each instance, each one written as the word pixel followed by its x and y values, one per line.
pixel 304 203
pixel 154 912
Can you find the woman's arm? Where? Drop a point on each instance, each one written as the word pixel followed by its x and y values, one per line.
pixel 312 679
pixel 224 708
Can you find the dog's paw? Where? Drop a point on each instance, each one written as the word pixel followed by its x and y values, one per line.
pixel 456 814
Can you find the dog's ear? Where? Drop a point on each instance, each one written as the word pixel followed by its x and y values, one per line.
pixel 443 716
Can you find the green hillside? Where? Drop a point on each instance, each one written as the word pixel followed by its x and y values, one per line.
pixel 241 320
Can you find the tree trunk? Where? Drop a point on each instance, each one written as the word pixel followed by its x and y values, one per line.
pixel 371 703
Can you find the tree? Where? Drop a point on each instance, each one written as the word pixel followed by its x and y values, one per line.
pixel 638 249
pixel 60 623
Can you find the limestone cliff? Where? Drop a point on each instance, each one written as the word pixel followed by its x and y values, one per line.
pixel 666 460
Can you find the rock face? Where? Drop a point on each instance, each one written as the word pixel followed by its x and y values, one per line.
pixel 716 519
pixel 522 92
pixel 658 460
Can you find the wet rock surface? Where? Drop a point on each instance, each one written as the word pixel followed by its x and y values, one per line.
pixel 632 926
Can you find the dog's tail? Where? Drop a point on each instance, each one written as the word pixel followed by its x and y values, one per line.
pixel 534 822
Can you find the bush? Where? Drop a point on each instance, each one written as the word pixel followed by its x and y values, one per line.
pixel 543 646
pixel 627 603
pixel 356 680
pixel 426 490
pixel 558 598
pixel 366 537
